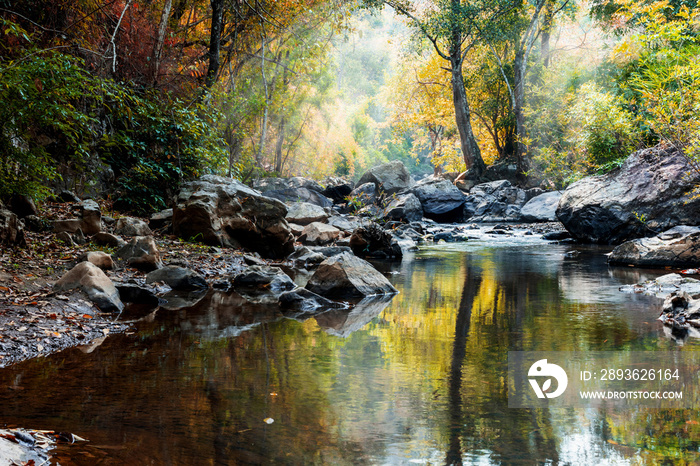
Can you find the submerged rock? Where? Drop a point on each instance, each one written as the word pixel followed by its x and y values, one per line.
pixel 177 278
pixel 677 247
pixel 347 276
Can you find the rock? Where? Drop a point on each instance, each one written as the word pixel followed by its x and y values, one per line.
pixel 91 217
pixel 364 194
pixel 373 241
pixel 541 208
pixel 22 206
pixel 556 235
pixel 176 300
pixel 177 278
pixel 132 293
pixel 388 178
pixel 302 299
pixel 65 238
pixel 79 237
pixel 680 311
pixel 107 239
pixel 36 224
pixel 98 258
pixel 297 230
pixel 223 212
pixel 346 276
pixel 141 253
pixel 11 232
pixel 317 233
pixel 330 251
pixel 306 256
pixel 295 189
pixel 495 201
pixel 343 223
pixel 67 226
pixel 67 196
pixel 93 281
pixel 338 193
pixel 251 259
pixel 129 226
pixel 405 207
pixel 303 213
pixel 161 219
pixel 264 279
pixel 441 200
pixel 662 286
pixel 651 192
pixel 677 247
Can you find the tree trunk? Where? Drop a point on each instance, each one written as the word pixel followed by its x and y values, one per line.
pixel 160 38
pixel 469 146
pixel 280 143
pixel 518 103
pixel 217 19
pixel 547 21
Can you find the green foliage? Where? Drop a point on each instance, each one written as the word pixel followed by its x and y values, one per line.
pixel 43 121
pixel 155 144
pixel 606 130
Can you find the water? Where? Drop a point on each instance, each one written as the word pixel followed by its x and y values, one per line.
pixel 417 380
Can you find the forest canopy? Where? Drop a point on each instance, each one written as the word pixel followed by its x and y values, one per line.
pixel 143 95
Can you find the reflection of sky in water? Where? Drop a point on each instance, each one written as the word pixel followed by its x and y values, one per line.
pixel 416 380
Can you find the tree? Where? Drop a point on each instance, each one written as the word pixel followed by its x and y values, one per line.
pixel 453 27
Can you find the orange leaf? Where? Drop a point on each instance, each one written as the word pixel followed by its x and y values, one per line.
pixel 87 316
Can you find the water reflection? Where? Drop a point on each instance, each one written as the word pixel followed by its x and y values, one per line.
pixel 420 378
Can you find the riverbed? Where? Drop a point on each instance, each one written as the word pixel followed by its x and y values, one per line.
pixel 418 379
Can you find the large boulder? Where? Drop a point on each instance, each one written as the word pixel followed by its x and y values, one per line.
pixel 224 212
pixel 677 247
pixel 496 201
pixel 129 226
pixel 441 200
pixel 541 208
pixel 652 191
pixel 364 194
pixel 389 178
pixel 303 213
pixel 295 189
pixel 11 232
pixel 89 223
pixel 346 276
pixel 405 208
pixel 98 258
pixel 141 253
pixel 23 205
pixel 93 281
pixel 338 192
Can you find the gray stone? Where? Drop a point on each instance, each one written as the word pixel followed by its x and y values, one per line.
pixel 107 239
pixel 91 217
pixel 347 276
pixel 141 253
pixel 22 206
pixel 224 212
pixel 496 201
pixel 302 299
pixel 133 293
pixel 405 208
pixel 303 213
pixel 441 200
pixel 161 219
pixel 389 178
pixel 373 241
pixel 129 226
pixel 67 196
pixel 677 247
pixel 541 208
pixel 346 224
pixel 306 256
pixel 264 279
pixel 365 194
pixel 93 281
pixel 652 191
pixel 65 238
pixel 177 278
pixel 317 233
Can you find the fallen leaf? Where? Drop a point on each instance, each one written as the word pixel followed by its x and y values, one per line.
pixel 268 420
pixel 87 316
pixel 40 348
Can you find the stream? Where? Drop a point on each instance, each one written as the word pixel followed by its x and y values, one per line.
pixel 419 379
